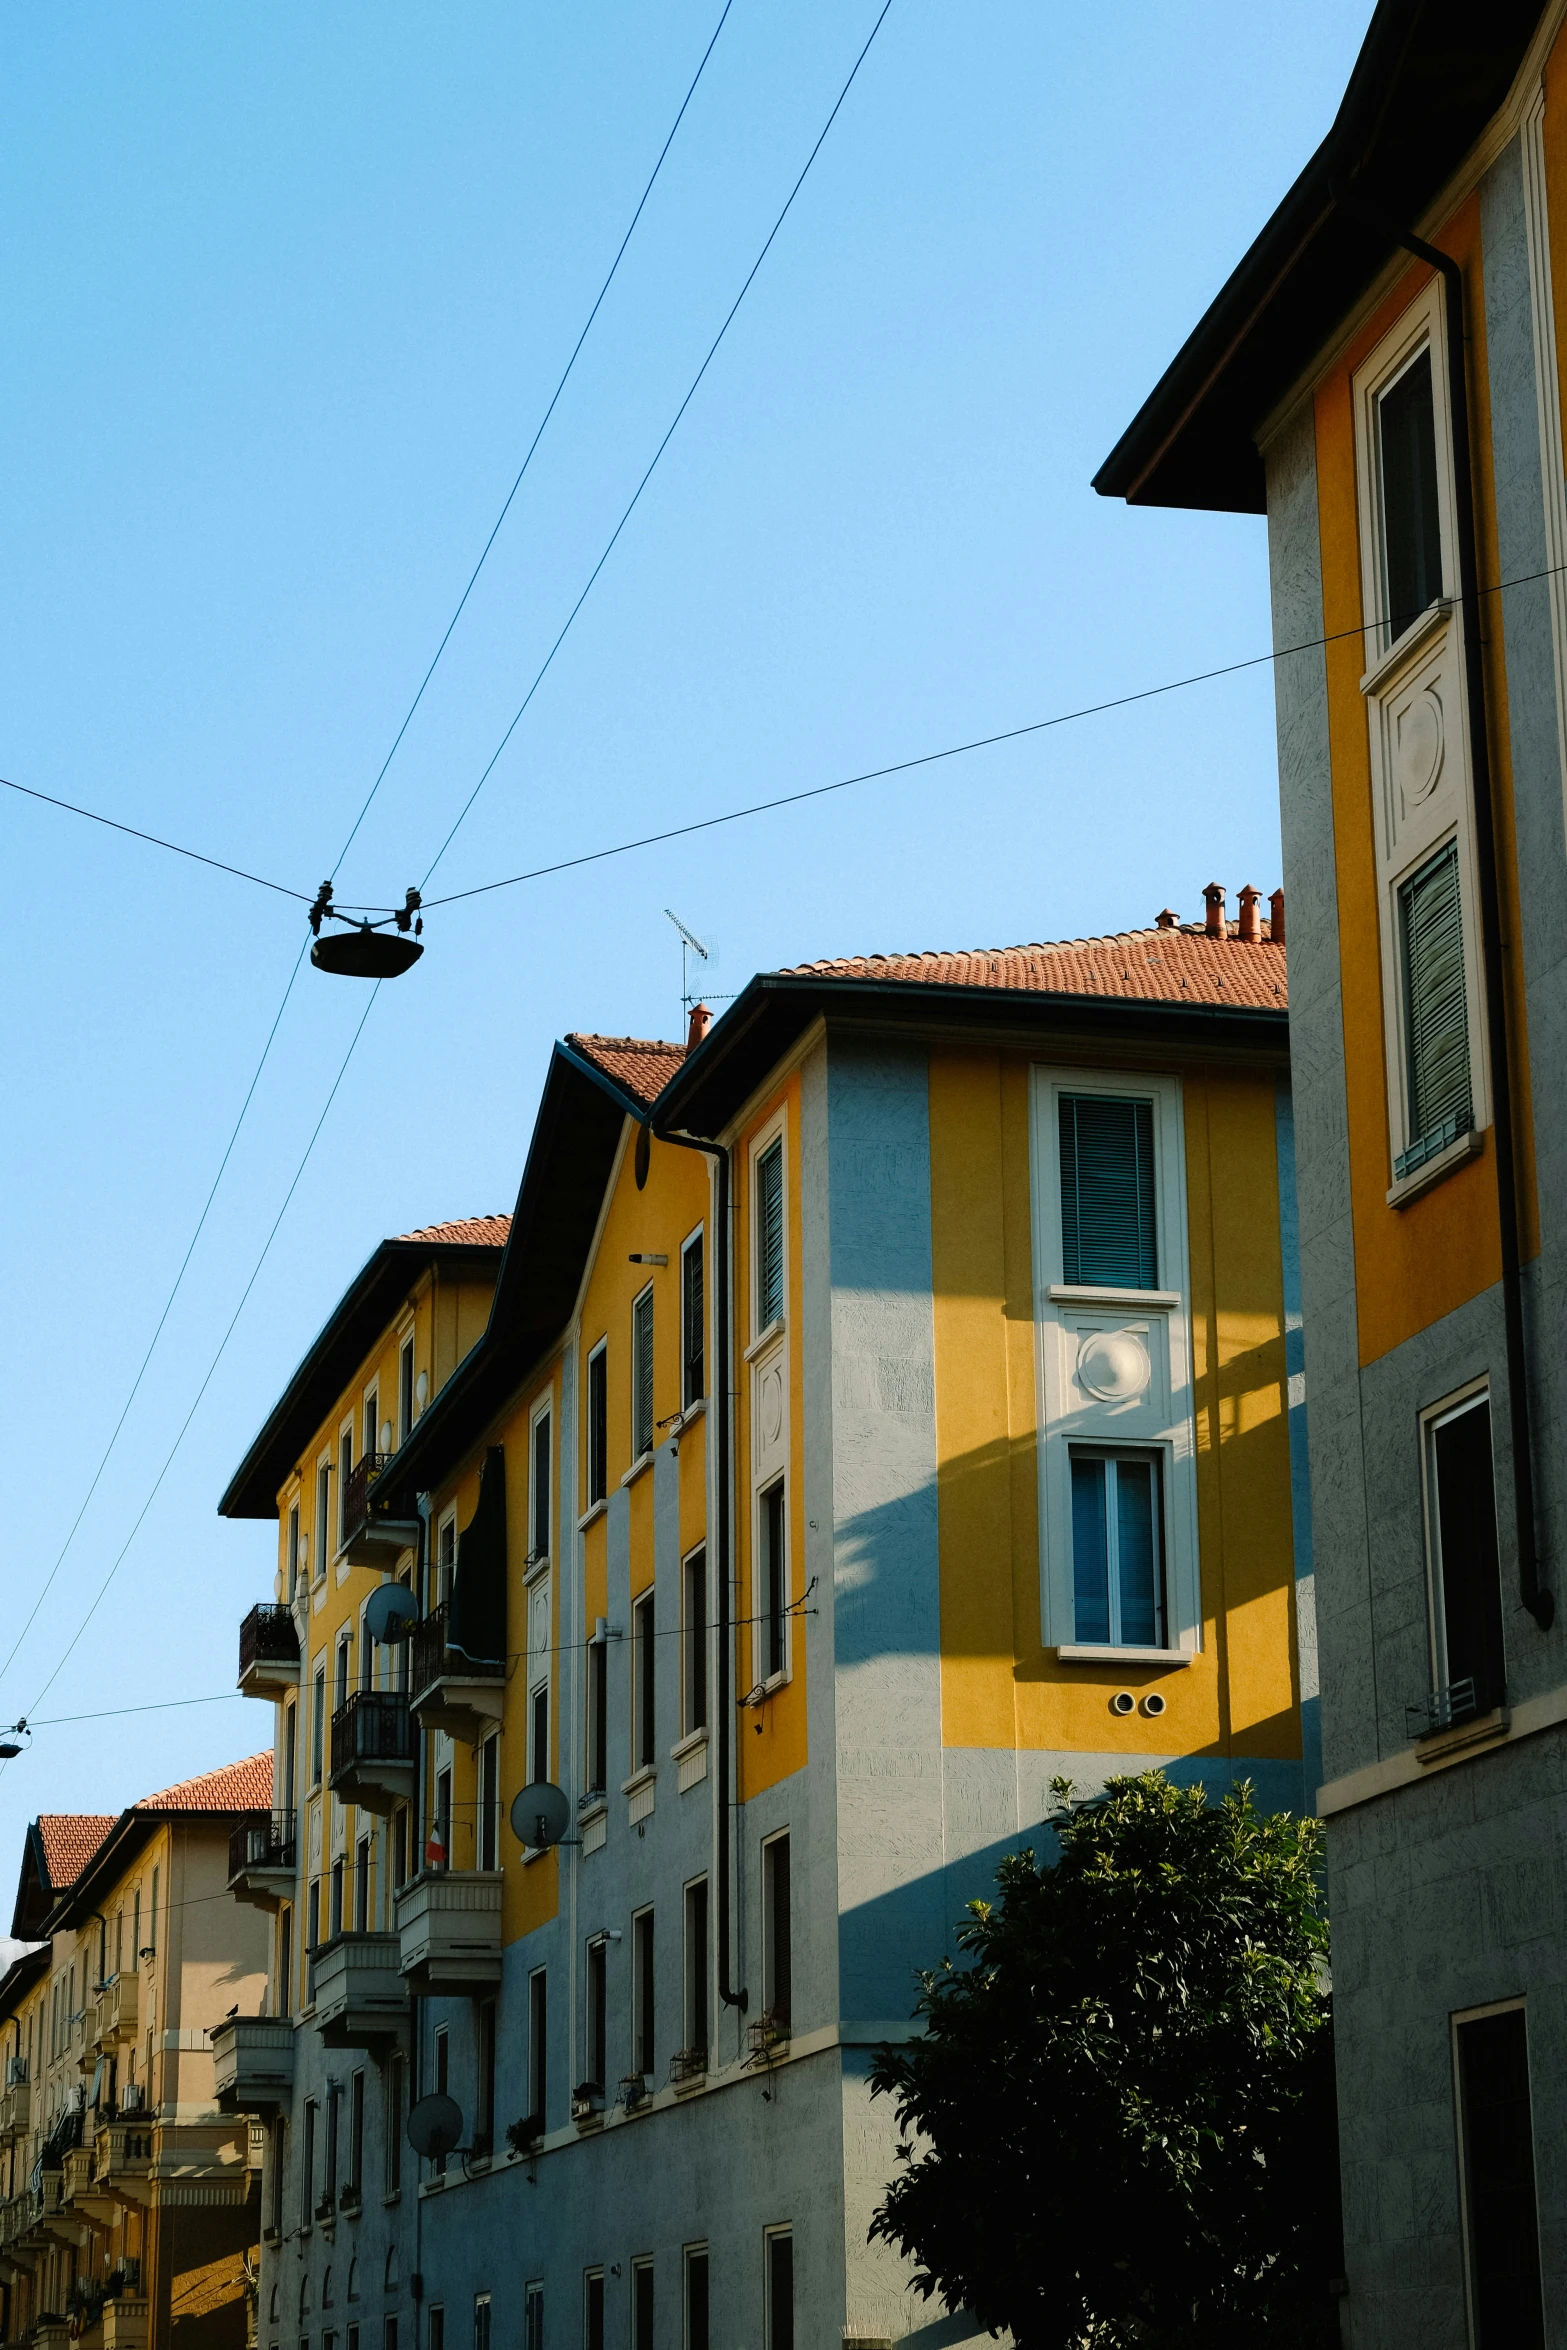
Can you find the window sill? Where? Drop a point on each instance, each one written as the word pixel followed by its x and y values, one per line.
pixel 688 1744
pixel 639 1779
pixel 694 1410
pixel 594 1510
pixel 1457 1154
pixel 644 1461
pixel 392 2195
pixel 536 1572
pixel 764 1339
pixel 1418 633
pixel 1092 1293
pixel 1080 1653
pixel 1479 1730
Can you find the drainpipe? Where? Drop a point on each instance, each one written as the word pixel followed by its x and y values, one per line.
pixel 1540 1602
pixel 720 1158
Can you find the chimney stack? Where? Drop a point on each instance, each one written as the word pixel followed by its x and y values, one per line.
pixel 1213 897
pixel 1168 920
pixel 1251 920
pixel 701 1022
pixel 1276 917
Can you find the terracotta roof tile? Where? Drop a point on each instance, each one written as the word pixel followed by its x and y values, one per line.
pixel 466 1231
pixel 641 1065
pixel 69 1840
pixel 240 1786
pixel 1180 965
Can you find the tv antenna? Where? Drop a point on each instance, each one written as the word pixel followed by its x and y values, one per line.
pixel 690 945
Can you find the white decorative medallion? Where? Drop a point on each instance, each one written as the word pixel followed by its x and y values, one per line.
pixel 1113 1365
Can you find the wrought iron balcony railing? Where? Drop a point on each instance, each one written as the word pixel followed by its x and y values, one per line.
pixel 356 1493
pixel 432 1658
pixel 261 1840
pixel 375 1726
pixel 268 1636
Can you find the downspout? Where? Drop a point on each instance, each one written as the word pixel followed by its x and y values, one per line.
pixel 720 1158
pixel 1540 1602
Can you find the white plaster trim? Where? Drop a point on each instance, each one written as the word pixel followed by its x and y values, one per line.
pixel 594 1510
pixel 1415 635
pixel 1547 396
pixel 1073 1293
pixel 764 1338
pixel 642 1461
pixel 1530 1717
pixel 1457 1154
pixel 1078 1653
pixel 638 1779
pixel 686 1745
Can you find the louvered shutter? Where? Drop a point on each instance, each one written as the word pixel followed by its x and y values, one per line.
pixel 769 1236
pixel 642 1373
pixel 1108 1235
pixel 1436 1011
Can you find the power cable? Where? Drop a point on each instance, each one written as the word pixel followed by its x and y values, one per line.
pixel 539 435
pixel 662 446
pixel 155 840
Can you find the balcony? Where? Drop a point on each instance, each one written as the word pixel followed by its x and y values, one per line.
pixel 449 1689
pixel 16 2112
pixel 449 1930
pixel 122 2159
pixel 114 2022
pixel 125 2322
pixel 372 1537
pixel 261 1858
pixel 361 1999
pixel 253 2063
pixel 373 1750
pixel 268 1653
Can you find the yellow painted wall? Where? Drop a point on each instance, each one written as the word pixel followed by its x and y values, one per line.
pixel 1416 1263
pixel 1000 1687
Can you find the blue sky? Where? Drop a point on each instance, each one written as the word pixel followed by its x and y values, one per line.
pixel 286 291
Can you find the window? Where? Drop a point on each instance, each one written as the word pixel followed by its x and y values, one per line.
pixel 597 2018
pixel 399 1825
pixel 285 1961
pixel 362 1886
pixel 317 1723
pixel 334 2100
pixel 644 1682
pixel 643 2057
pixel 1107 1192
pixel 769 1242
pixel 393 2079
pixel 642 2305
pixel 345 1463
pixel 490 1803
pixel 533 2314
pixel 389 2332
pixel 540 1495
pixel 278 2134
pixel 598 1716
pixel 1501 2225
pixel 437 2327
pixel 356 2138
pixel 336 1925
pixel 152 1918
pixel 693 1691
pixel 593 2309
pixel 598 1424
pixel 1117 1550
pixel 443 2082
pixel 539 1678
pixel 405 1389
pixel 345 1645
pixel 293 1550
pixel 481 2321
pixel 323 1514
pixel 642 1375
pixel 1411 509
pixel 307 2163
pixel 1438 1092
pixel 484 2071
pixel 774 1581
pixel 694 2022
pixel 445 1557
pixel 443 1819
pixel 372 1424
pixel 777 1956
pixel 1466 1592
pixel 538 2048
pixel 696 2297
pixel 693 1373
pixel 780 2289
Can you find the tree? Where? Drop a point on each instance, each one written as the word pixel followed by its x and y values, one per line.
pixel 1118 2128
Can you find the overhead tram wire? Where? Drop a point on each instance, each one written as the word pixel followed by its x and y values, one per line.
pixel 539 434
pixel 636 494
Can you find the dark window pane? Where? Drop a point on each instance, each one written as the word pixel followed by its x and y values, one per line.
pixel 1471 1596
pixel 1436 1017
pixel 696 2301
pixel 1090 1550
pixel 1411 528
pixel 780 2293
pixel 1504 2242
pixel 769 1236
pixel 598 1428
pixel 1107 1192
pixel 694 1383
pixel 1137 1545
pixel 642 2306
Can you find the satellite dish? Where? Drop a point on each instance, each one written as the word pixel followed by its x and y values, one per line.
pixel 540 1815
pixel 435 2125
pixel 390 1613
pixel 363 953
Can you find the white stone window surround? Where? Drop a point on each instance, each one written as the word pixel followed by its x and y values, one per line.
pixel 1418 723
pixel 766 1358
pixel 1132 1345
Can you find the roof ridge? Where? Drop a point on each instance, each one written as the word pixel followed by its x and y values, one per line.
pixel 625 1044
pixel 178 1797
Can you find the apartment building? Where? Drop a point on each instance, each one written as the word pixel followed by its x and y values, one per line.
pixel 1381 376
pixel 885 1402
pixel 131 2209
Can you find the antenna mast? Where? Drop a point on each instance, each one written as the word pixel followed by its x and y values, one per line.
pixel 690 945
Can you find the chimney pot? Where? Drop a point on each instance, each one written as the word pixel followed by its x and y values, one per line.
pixel 1168 920
pixel 701 1022
pixel 1276 917
pixel 1251 920
pixel 1213 898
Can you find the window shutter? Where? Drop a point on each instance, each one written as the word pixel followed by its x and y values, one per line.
pixel 1107 1192
pixel 642 1368
pixel 769 1236
pixel 1436 1012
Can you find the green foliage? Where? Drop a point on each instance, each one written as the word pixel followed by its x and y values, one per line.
pixel 1118 2129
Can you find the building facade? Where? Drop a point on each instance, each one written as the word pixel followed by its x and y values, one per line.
pixel 131 2212
pixel 882 1405
pixel 1382 376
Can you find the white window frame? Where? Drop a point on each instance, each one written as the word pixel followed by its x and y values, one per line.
pixel 447 1517
pixel 1429 654
pixel 542 1408
pixel 778 1479
pixel 597 1353
pixel 1517 2005
pixel 406 1348
pixel 1431 1418
pixel 291 1527
pixel 1067 1317
pixel 688 1728
pixel 645 1453
pixel 775 1130
pixel 643 1920
pixel 693 1240
pixel 323 1532
pixel 370 1414
pixel 341 1469
pixel 769 1921
pixel 538 1598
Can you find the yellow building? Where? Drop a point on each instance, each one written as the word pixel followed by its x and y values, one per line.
pixel 1382 375
pixel 883 1406
pixel 131 2210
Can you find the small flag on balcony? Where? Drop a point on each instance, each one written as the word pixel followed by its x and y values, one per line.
pixel 435 1850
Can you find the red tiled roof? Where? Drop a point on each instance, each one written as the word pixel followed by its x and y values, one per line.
pixel 467 1231
pixel 240 1786
pixel 69 1840
pixel 642 1066
pixel 1179 965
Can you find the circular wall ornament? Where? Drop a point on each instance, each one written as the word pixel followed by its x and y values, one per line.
pixel 1419 751
pixel 1113 1365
